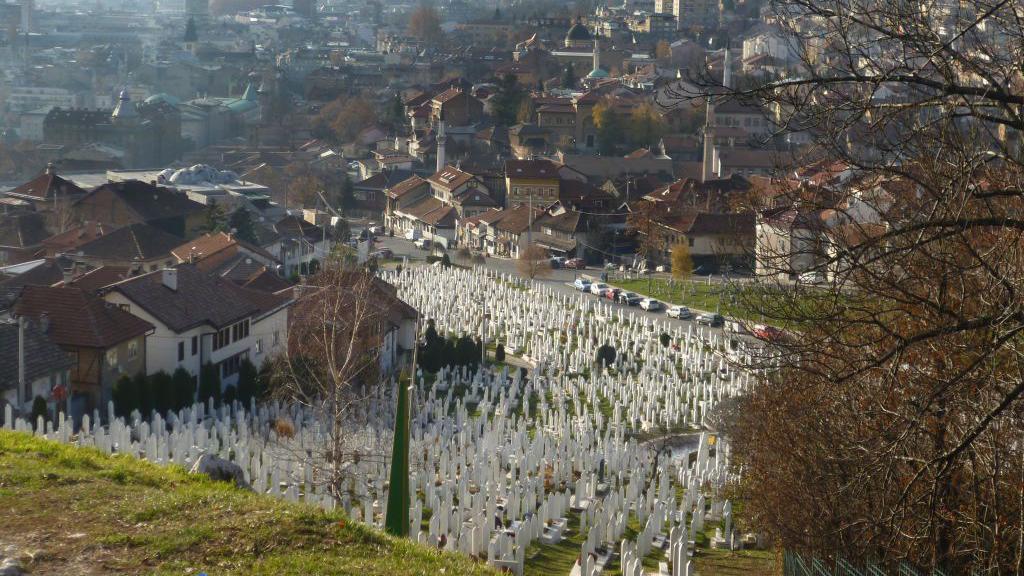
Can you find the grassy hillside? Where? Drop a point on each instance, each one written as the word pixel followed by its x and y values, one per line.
pixel 83 513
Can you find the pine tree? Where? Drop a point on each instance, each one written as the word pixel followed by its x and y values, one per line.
pixel 247 382
pixel 164 392
pixel 184 388
pixel 124 396
pixel 215 219
pixel 144 393
pixel 348 195
pixel 209 383
pixel 242 225
pixel 39 408
pixel 569 76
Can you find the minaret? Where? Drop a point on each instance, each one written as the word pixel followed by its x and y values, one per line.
pixel 124 112
pixel 597 54
pixel 441 138
pixel 708 162
pixel 727 69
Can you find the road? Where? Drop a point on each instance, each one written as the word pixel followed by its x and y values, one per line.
pixel 560 280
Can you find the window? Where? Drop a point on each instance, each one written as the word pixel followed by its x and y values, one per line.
pixel 259 345
pixel 229 367
pixel 222 338
pixel 133 350
pixel 195 345
pixel 277 337
pixel 125 307
pixel 112 357
pixel 691 242
pixel 181 351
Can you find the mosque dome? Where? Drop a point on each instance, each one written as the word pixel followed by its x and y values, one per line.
pixel 578 33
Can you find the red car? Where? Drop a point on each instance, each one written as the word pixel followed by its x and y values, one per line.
pixel 575 264
pixel 769 333
pixel 613 294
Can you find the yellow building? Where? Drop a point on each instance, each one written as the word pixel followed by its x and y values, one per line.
pixel 531 181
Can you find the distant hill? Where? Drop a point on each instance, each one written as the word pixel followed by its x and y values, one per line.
pixel 82 513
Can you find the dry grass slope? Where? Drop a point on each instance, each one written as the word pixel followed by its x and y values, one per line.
pixel 84 513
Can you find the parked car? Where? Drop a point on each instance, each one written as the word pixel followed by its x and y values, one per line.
pixel 376 230
pixel 557 261
pixel 765 332
pixel 629 298
pixel 422 244
pixel 575 264
pixel 650 304
pixel 383 253
pixel 582 284
pixel 812 277
pixel 613 294
pixel 713 320
pixel 681 312
pixel 598 288
pixel 736 327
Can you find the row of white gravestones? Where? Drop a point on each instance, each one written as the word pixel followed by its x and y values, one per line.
pixel 479 471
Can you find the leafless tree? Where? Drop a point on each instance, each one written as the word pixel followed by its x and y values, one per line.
pixel 890 426
pixel 337 330
pixel 533 262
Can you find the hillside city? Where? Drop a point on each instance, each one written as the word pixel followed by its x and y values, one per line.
pixel 624 287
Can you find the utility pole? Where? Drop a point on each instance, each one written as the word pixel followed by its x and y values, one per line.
pixel 529 229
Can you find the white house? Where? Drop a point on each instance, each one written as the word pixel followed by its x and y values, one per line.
pixel 202 318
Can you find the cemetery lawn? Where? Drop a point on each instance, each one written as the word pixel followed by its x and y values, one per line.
pixel 698 295
pixel 84 513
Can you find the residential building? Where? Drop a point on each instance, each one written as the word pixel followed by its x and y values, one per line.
pixel 201 318
pixel 21 237
pixel 139 247
pixel 31 365
pixel 457 107
pixel 534 182
pixel 122 203
pixel 47 192
pixel 388 325
pixel 105 341
pixel 297 244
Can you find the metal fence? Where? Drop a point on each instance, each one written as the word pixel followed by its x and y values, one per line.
pixel 794 564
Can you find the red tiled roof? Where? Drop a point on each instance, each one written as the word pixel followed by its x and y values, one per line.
pixel 76 236
pixel 79 319
pixel 450 177
pixel 94 280
pixel 447 95
pixel 47 186
pixel 537 169
pixel 404 187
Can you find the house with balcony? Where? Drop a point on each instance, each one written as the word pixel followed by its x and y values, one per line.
pixel 202 318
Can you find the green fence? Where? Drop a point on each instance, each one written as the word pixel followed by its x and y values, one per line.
pixel 794 564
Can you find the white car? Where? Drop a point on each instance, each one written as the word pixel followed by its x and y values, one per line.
pixel 598 288
pixel 736 327
pixel 422 244
pixel 650 304
pixel 812 277
pixel 681 312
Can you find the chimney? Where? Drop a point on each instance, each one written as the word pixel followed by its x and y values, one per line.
pixel 169 278
pixel 50 169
